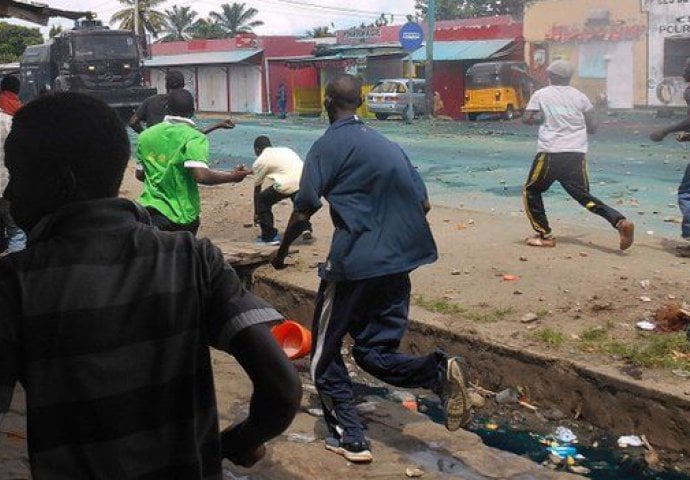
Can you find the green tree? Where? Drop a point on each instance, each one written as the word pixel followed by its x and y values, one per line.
pixel 150 19
pixel 179 24
pixel 55 30
pixel 14 39
pixel 236 18
pixel 321 32
pixel 453 9
pixel 208 29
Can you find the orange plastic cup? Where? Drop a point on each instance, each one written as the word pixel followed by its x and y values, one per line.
pixel 294 339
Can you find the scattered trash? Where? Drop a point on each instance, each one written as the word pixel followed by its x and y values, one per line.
pixel 563 451
pixel 507 396
pixel 672 318
pixel 477 400
pixel 517 292
pixel 584 254
pixel 470 222
pixel 366 407
pixel 579 470
pixel 455 272
pixel 414 472
pixel 523 259
pixel 410 405
pixel 248 225
pixel 645 299
pixel 681 373
pixel 646 326
pixel 677 220
pixel 650 232
pixel 651 457
pixel 645 284
pixel 301 438
pixel 461 226
pixel 529 318
pixel 315 412
pixel 555 459
pixel 565 435
pixel 401 396
pixel 491 426
pixel 510 278
pixel 629 441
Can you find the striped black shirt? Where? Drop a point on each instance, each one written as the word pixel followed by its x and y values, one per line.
pixel 107 323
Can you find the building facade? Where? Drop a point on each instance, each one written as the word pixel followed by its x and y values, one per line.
pixel 606 40
pixel 669 48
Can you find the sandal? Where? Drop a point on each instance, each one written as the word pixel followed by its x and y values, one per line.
pixel 539 241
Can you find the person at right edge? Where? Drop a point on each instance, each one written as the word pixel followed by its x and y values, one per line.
pixel 378 205
pixel 566 116
pixel 684 190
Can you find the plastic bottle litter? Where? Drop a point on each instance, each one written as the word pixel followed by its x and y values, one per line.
pixel 563 451
pixel 315 412
pixel 629 441
pixel 565 435
pixel 646 326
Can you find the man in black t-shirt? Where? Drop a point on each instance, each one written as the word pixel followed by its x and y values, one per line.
pixel 155 108
pixel 684 190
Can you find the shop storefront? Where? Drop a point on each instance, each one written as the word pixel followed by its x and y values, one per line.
pixel 669 48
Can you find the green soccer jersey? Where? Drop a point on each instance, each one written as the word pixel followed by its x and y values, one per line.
pixel 166 152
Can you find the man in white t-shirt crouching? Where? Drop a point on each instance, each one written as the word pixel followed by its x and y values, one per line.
pixel 281 169
pixel 566 117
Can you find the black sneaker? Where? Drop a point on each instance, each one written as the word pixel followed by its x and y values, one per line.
pixel 453 393
pixel 356 452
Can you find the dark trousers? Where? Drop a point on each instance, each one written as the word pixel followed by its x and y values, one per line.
pixel 161 222
pixel 374 312
pixel 684 202
pixel 264 210
pixel 570 170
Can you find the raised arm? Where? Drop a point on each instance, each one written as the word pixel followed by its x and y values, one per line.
pixel 226 124
pixel 206 176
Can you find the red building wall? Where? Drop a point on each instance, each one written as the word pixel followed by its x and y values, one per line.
pixel 293 78
pixel 449 82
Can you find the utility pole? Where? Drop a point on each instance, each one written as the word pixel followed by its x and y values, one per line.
pixel 136 24
pixel 429 68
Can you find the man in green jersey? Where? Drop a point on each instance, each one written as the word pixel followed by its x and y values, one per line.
pixel 172 159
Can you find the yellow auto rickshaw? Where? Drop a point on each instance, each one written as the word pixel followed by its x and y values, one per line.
pixel 497 87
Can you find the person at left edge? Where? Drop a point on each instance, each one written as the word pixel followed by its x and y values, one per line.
pixel 172 159
pixel 107 322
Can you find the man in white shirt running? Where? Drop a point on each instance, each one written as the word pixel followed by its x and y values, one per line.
pixel 566 117
pixel 281 169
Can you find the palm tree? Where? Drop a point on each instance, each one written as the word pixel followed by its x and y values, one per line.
pixel 179 24
pixel 236 18
pixel 207 29
pixel 150 20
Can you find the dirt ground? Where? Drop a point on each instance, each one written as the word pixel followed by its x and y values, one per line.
pixel 587 295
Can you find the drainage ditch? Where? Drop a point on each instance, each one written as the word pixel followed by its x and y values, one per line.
pixel 606 406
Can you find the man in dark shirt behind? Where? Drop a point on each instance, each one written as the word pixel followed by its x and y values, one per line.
pixel 107 321
pixel 153 110
pixel 378 206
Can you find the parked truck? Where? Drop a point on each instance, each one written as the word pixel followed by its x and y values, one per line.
pixel 92 59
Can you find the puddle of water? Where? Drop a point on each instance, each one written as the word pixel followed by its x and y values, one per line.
pixel 607 462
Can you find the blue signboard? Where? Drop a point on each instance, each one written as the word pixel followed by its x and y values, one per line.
pixel 411 36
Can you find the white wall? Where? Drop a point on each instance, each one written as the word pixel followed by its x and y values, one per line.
pixel 213 89
pixel 667 19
